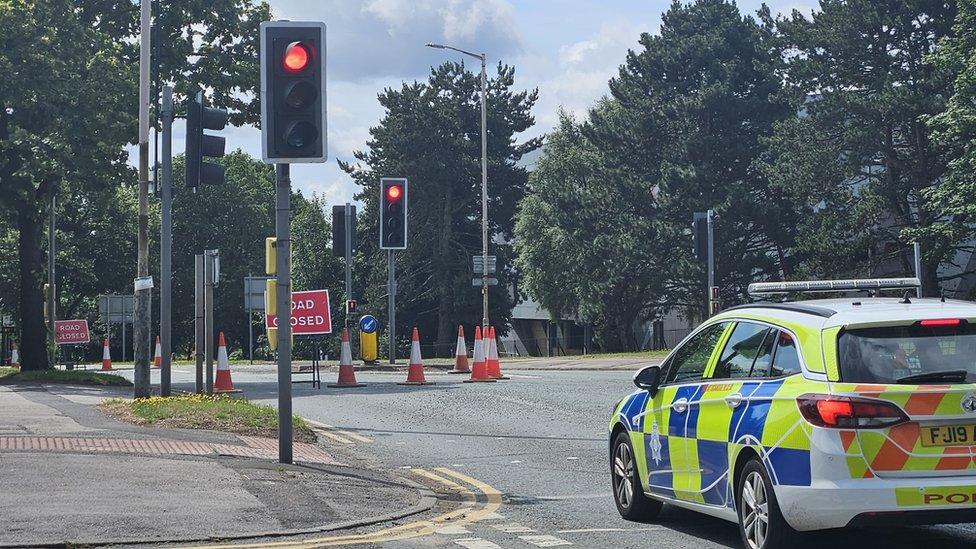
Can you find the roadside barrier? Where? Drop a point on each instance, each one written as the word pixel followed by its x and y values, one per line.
pixel 223 382
pixel 158 360
pixel 347 374
pixel 493 367
pixel 415 372
pixel 479 371
pixel 106 356
pixel 461 355
pixel 14 356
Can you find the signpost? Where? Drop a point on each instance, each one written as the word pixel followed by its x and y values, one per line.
pixel 310 313
pixel 114 309
pixel 254 287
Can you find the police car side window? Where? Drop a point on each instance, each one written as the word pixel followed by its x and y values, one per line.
pixel 741 350
pixel 786 361
pixel 760 368
pixel 690 360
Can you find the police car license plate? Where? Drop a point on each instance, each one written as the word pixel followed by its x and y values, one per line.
pixel 949 435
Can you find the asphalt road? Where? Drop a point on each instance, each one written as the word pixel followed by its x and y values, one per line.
pixel 540 439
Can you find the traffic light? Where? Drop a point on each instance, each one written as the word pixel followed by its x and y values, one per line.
pixel 699 236
pixel 271 257
pixel 393 213
pixel 339 229
pixel 293 127
pixel 199 144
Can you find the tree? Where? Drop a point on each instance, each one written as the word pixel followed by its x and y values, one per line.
pixel 587 238
pixel 860 74
pixel 695 103
pixel 49 137
pixel 431 135
pixel 955 130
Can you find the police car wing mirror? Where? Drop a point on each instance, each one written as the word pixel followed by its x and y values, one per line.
pixel 648 378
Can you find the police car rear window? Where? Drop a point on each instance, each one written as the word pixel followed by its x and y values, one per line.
pixel 885 355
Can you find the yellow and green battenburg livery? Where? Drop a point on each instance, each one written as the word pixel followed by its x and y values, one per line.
pixel 687 438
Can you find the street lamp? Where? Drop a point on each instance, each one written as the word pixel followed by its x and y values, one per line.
pixel 484 177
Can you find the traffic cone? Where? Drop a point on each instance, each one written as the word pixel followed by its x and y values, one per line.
pixel 106 356
pixel 158 361
pixel 347 375
pixel 223 383
pixel 479 371
pixel 461 355
pixel 492 366
pixel 415 372
pixel 14 356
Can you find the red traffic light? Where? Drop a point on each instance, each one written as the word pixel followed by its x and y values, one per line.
pixel 297 57
pixel 393 193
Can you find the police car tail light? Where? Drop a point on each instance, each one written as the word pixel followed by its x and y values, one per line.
pixel 840 412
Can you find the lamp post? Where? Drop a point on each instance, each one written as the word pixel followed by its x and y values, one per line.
pixel 484 177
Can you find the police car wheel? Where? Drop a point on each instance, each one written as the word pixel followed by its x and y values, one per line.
pixel 628 494
pixel 761 524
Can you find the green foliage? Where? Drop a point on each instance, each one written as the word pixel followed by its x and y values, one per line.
pixel 860 72
pixel 431 134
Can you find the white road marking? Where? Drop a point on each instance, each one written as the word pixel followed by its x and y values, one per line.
pixel 572 458
pixel 493 516
pixel 545 541
pixel 591 530
pixel 476 543
pixel 513 528
pixel 514 461
pixel 453 530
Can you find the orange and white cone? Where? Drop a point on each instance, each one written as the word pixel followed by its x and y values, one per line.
pixel 106 356
pixel 158 360
pixel 479 371
pixel 491 361
pixel 415 372
pixel 223 383
pixel 461 355
pixel 14 356
pixel 347 374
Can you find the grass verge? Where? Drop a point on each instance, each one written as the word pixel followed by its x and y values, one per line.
pixel 73 377
pixel 216 413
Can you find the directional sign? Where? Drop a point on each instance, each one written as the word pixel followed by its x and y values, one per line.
pixel 71 332
pixel 477 263
pixel 480 282
pixel 310 314
pixel 367 324
pixel 254 292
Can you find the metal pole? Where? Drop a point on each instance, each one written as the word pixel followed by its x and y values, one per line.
pixel 484 193
pixel 123 330
pixel 711 265
pixel 250 323
pixel 391 303
pixel 198 327
pixel 348 244
pixel 166 246
pixel 52 313
pixel 143 301
pixel 208 335
pixel 283 274
pixel 918 267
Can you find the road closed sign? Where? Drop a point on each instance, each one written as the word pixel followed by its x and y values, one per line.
pixel 71 332
pixel 309 313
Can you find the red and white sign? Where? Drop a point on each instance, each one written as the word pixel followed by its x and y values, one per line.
pixel 310 313
pixel 71 332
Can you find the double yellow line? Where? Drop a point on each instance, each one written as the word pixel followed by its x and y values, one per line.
pixel 453 480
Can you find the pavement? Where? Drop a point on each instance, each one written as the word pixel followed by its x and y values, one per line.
pixel 70 475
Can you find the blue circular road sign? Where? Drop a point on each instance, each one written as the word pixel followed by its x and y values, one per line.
pixel 367 324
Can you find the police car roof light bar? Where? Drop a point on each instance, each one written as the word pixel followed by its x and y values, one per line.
pixel 853 285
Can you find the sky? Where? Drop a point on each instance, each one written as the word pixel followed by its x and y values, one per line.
pixel 568 49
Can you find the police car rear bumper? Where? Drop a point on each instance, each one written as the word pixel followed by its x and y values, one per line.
pixel 835 504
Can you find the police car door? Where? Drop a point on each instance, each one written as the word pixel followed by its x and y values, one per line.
pixel 666 430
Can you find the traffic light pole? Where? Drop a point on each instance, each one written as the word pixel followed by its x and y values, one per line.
pixel 391 297
pixel 166 245
pixel 348 244
pixel 199 332
pixel 283 276
pixel 208 323
pixel 712 298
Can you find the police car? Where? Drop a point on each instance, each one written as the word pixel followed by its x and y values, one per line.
pixel 809 415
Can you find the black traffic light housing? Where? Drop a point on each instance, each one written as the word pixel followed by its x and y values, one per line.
pixel 293 123
pixel 198 144
pixel 339 229
pixel 699 235
pixel 393 213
